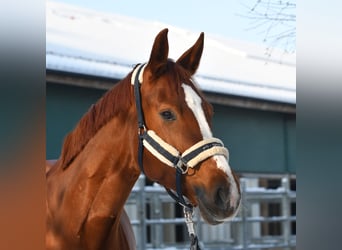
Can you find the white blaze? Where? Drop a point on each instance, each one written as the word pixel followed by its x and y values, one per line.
pixel 195 104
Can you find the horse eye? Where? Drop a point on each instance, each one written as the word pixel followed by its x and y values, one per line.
pixel 167 115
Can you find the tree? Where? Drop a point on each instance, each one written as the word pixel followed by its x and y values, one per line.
pixel 276 19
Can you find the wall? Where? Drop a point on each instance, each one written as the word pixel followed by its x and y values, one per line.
pixel 258 141
pixel 65 105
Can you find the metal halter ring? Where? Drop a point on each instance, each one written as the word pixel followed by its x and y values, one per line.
pixel 142 130
pixel 181 166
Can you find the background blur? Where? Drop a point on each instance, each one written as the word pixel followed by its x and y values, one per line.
pixel 22 109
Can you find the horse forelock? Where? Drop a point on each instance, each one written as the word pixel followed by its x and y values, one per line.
pixel 114 101
pixel 178 76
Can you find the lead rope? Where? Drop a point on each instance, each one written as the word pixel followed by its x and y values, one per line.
pixel 188 214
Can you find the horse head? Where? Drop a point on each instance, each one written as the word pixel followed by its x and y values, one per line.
pixel 175 130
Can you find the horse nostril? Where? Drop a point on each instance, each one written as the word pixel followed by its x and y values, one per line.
pixel 221 198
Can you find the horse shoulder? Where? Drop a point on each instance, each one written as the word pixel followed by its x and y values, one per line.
pixel 128 230
pixel 122 234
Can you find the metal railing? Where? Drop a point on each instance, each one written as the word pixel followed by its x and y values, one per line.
pixel 158 222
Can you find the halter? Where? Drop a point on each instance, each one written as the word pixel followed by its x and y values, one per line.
pixel 165 152
pixel 169 155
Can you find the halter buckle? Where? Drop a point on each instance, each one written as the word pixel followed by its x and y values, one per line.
pixel 181 166
pixel 141 130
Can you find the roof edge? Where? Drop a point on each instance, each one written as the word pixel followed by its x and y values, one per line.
pixel 105 83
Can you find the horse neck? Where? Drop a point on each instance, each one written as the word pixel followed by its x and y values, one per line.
pixel 95 187
pixel 115 162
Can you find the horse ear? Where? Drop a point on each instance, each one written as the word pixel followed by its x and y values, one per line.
pixel 191 58
pixel 159 53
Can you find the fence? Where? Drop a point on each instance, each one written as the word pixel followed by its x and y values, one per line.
pixel 266 220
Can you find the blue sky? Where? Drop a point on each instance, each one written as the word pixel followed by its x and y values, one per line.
pixel 220 17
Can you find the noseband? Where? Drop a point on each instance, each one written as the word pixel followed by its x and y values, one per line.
pixel 165 152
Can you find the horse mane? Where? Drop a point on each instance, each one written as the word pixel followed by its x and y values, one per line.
pixel 114 101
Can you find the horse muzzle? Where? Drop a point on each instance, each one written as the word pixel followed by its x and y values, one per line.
pixel 220 202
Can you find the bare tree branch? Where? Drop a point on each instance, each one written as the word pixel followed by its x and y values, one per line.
pixel 276 19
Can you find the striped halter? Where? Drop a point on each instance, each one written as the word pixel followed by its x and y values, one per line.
pixel 165 152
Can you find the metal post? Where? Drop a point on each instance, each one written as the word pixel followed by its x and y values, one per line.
pixel 157 230
pixel 198 224
pixel 286 213
pixel 243 239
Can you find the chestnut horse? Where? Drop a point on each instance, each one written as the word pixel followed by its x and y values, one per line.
pixel 156 107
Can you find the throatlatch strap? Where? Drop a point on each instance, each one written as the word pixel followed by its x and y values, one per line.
pixel 141 121
pixel 136 82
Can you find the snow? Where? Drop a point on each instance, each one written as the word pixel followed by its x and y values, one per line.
pixel 108 45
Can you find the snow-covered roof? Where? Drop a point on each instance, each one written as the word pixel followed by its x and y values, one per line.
pixel 85 41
